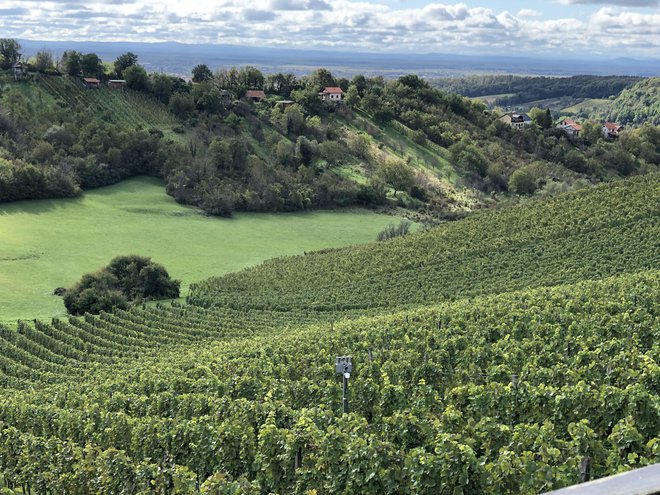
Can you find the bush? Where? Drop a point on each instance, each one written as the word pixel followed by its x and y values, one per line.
pixel 392 231
pixel 522 182
pixel 126 279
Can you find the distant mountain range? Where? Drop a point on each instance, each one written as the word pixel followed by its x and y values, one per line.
pixel 179 58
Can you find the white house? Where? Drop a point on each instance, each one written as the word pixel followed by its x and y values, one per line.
pixel 516 120
pixel 571 128
pixel 332 93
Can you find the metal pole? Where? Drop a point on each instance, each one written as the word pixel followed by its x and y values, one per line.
pixel 345 392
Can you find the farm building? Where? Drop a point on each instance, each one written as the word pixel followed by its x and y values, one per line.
pixel 117 83
pixel 571 128
pixel 611 130
pixel 516 120
pixel 255 95
pixel 91 83
pixel 332 93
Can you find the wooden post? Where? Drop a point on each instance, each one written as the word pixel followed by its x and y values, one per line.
pixel 585 469
pixel 299 459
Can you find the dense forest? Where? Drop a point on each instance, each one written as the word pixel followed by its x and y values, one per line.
pixel 638 104
pixel 524 89
pixel 390 142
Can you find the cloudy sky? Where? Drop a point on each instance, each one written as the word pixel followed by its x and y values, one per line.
pixel 507 27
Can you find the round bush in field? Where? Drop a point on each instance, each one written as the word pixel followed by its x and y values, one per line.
pixel 125 280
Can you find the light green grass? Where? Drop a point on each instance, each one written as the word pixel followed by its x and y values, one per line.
pixel 589 106
pixel 51 243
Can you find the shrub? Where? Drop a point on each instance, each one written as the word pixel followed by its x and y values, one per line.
pixel 392 231
pixel 522 182
pixel 126 279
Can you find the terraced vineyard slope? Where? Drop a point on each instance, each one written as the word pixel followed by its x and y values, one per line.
pixel 589 234
pixel 495 377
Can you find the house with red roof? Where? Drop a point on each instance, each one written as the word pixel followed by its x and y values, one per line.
pixel 611 130
pixel 571 128
pixel 332 93
pixel 255 95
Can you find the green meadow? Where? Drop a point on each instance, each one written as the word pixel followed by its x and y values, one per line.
pixel 51 243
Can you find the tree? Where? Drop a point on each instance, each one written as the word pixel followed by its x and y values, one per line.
pixel 161 86
pixel 43 61
pixel 71 62
pixel 124 280
pixel 591 132
pixel 91 65
pixel 250 77
pixel 468 158
pixel 10 52
pixel 136 78
pixel 182 105
pixel 521 182
pixel 320 79
pixel 201 73
pixel 352 97
pixel 541 118
pixel 397 175
pixel 123 62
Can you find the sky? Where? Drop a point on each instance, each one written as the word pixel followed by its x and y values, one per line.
pixel 617 28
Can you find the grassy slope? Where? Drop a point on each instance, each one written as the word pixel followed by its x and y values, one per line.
pixel 593 106
pixel 47 244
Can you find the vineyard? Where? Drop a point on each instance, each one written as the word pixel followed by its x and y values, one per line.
pixel 491 355
pixel 131 109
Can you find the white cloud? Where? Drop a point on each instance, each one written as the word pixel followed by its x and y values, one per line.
pixel 618 3
pixel 347 24
pixel 524 13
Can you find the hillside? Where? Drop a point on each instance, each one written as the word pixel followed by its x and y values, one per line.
pixel 544 92
pixel 490 376
pixel 389 143
pixel 609 230
pixel 638 105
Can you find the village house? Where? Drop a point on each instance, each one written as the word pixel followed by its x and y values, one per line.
pixel 571 128
pixel 516 120
pixel 91 83
pixel 332 93
pixel 611 130
pixel 117 83
pixel 256 95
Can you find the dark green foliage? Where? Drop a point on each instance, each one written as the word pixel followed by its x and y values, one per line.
pixel 71 63
pixel 522 182
pixel 201 73
pixel 91 65
pixel 397 175
pixel 123 62
pixel 468 159
pixel 10 52
pixel 392 231
pixel 182 105
pixel 638 104
pixel 126 279
pixel 528 89
pixel 136 78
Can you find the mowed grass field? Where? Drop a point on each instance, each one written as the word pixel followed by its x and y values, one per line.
pixel 51 243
